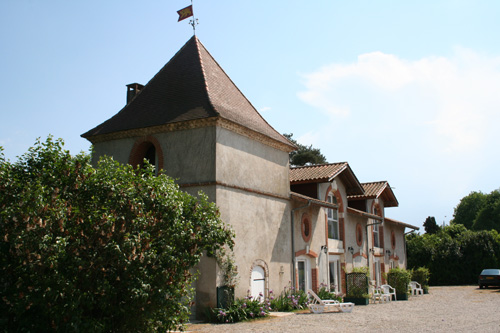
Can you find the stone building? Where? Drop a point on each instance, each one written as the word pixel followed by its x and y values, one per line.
pixel 191 121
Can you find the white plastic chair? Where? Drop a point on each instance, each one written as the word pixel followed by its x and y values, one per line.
pixel 416 288
pixel 389 291
pixel 376 294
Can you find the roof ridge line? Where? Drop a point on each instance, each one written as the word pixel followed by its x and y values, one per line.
pixel 205 81
pixel 232 82
pixel 316 165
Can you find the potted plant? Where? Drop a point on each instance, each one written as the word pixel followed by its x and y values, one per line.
pixel 399 279
pixel 357 287
pixel 422 275
pixel 228 273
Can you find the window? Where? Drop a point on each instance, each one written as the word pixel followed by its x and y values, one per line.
pixel 393 240
pixel 334 275
pixel 376 233
pixel 303 271
pixel 147 148
pixel 376 238
pixel 301 268
pixel 306 228
pixel 150 155
pixel 333 220
pixel 359 234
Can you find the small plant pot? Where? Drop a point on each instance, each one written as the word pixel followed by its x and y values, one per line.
pixel 402 297
pixel 357 300
pixel 225 296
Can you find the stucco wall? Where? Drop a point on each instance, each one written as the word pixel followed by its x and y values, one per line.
pixel 118 149
pixel 188 155
pixel 316 216
pixel 249 182
pixel 251 164
pixel 262 227
pixel 358 257
pixel 398 253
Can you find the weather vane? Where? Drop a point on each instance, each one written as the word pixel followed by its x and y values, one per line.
pixel 186 12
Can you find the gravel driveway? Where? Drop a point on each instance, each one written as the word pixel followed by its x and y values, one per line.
pixel 444 309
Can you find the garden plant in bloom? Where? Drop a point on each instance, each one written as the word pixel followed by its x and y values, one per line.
pixel 98 249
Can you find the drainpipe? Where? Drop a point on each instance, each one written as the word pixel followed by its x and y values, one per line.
pixel 293 239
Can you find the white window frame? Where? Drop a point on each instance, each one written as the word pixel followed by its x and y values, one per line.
pixel 307 273
pixel 334 262
pixel 376 235
pixel 333 219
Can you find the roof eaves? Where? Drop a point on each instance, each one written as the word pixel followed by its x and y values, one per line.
pixel 365 214
pixel 313 201
pixel 402 224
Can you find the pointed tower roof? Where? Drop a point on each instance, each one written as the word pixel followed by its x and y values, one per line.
pixel 190 86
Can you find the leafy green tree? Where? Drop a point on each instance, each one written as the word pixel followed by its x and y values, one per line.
pixel 488 218
pixel 466 211
pixel 454 255
pixel 304 154
pixel 97 249
pixel 431 226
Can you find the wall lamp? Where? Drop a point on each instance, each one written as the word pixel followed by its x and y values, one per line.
pixel 388 252
pixel 350 249
pixel 324 248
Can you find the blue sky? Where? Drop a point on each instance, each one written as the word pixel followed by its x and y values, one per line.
pixel 405 91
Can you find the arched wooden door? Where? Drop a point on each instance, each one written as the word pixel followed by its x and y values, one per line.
pixel 258 282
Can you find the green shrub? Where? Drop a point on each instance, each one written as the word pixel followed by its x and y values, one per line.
pixel 240 310
pixel 324 293
pixel 421 275
pixel 289 300
pixel 104 249
pixel 399 279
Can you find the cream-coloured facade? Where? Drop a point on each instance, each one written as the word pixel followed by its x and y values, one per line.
pixel 193 123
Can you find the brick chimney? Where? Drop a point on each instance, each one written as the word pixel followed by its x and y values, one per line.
pixel 133 90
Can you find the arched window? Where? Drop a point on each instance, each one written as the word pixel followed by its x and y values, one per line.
pixel 148 149
pixel 151 156
pixel 333 220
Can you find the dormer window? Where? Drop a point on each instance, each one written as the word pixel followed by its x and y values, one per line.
pixel 333 220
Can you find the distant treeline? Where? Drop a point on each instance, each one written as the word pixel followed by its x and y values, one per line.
pixel 456 254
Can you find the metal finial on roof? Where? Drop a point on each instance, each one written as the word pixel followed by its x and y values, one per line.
pixel 186 12
pixel 194 21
